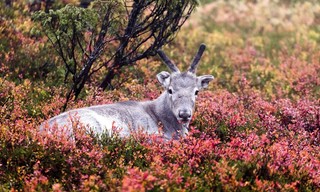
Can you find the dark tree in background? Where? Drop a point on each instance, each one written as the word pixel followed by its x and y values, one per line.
pixel 111 35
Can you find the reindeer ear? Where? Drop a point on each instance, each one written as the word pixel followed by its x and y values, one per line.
pixel 164 78
pixel 203 81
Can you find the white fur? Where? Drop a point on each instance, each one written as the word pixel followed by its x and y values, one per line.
pixel 180 95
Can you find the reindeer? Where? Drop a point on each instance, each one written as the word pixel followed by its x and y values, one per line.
pixel 173 108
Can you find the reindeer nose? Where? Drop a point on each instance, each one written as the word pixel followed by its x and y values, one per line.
pixel 185 115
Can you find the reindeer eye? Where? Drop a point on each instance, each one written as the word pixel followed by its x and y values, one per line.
pixel 170 91
pixel 196 93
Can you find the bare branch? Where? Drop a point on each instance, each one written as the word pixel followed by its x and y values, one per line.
pixel 131 29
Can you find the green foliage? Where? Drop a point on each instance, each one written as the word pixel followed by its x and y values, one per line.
pixel 66 30
pixel 61 25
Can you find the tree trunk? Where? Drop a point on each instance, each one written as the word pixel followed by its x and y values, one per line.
pixel 106 83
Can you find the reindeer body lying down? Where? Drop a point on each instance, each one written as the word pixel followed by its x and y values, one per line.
pixel 173 108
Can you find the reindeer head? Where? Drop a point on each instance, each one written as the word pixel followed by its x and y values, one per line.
pixel 182 87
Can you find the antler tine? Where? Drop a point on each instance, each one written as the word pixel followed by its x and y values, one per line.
pixel 167 61
pixel 194 64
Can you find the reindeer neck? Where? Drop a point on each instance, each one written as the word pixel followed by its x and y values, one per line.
pixel 161 112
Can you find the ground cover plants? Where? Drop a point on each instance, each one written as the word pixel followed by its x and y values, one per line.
pixel 257 127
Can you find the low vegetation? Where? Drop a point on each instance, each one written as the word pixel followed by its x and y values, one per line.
pixel 257 127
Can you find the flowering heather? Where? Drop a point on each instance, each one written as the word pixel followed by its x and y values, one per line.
pixel 257 127
pixel 237 141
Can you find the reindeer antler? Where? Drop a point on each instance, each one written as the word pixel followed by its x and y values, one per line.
pixel 194 64
pixel 167 61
